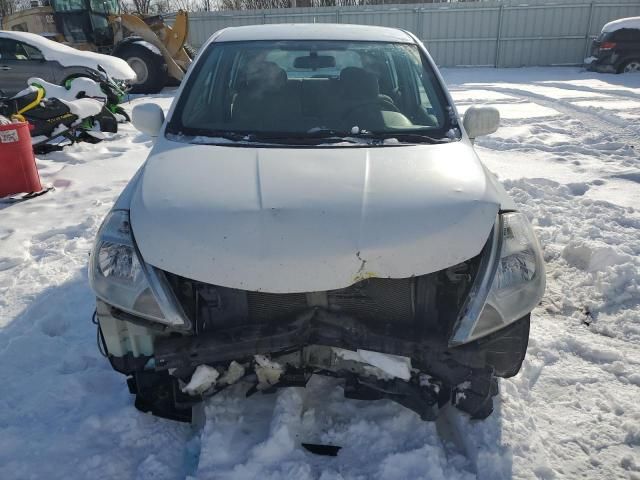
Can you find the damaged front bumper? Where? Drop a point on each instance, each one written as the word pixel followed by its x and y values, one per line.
pixel 315 343
pixel 423 325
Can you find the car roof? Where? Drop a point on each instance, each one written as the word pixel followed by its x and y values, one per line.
pixel 313 31
pixel 23 36
pixel 629 22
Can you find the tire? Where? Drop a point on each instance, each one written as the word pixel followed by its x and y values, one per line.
pixel 630 66
pixel 150 68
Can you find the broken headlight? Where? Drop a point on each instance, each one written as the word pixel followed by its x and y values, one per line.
pixel 119 277
pixel 514 281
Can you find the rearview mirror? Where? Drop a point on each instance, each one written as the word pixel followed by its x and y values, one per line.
pixel 314 62
pixel 479 121
pixel 148 118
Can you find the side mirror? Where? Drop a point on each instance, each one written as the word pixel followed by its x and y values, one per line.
pixel 148 118
pixel 479 121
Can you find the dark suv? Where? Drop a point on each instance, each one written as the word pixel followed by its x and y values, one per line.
pixel 617 48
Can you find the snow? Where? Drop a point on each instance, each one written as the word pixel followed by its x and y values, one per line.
pixel 71 57
pixel 149 46
pixel 83 107
pixel 267 371
pixel 202 380
pixel 630 22
pixel 234 373
pixel 79 88
pixel 572 412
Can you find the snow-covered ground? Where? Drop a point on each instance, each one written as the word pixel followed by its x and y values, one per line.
pixel 568 152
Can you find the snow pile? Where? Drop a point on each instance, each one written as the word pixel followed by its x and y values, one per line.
pixel 568 154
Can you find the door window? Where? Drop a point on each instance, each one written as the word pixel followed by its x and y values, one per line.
pixel 627 35
pixel 12 50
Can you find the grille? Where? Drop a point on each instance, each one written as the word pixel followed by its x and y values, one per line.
pixel 268 307
pixel 404 306
pixel 377 299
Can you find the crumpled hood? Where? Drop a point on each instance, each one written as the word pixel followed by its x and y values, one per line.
pixel 300 219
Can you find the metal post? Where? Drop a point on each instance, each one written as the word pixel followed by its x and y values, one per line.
pixel 498 37
pixel 587 41
pixel 419 22
pixel 337 15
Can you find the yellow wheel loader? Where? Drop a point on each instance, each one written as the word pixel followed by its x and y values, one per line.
pixel 157 52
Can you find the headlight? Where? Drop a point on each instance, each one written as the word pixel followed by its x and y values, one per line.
pixel 511 284
pixel 120 278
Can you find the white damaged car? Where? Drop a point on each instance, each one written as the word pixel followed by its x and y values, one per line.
pixel 313 204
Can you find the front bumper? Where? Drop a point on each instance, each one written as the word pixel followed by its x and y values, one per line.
pixel 310 333
pixel 464 376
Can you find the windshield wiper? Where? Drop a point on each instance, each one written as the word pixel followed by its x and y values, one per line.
pixel 329 134
pixel 204 135
pixel 313 136
pixel 405 137
pixel 226 134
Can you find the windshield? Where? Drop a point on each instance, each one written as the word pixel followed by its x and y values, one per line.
pixel 311 89
pixel 105 7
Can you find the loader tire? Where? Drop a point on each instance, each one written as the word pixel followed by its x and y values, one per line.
pixel 150 68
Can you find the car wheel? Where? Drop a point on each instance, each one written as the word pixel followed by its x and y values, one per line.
pixel 150 68
pixel 630 66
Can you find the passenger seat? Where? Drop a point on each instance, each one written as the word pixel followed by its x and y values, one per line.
pixel 265 90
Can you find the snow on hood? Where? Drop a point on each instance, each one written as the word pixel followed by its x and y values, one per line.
pixel 72 57
pixel 630 22
pixel 288 219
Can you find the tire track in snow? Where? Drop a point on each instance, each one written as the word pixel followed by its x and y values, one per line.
pixel 590 92
pixel 618 128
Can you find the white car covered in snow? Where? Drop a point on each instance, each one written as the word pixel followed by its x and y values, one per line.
pixel 314 205
pixel 24 55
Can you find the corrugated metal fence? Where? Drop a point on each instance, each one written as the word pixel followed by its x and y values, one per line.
pixel 504 34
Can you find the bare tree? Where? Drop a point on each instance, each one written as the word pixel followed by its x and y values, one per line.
pixel 142 6
pixel 267 4
pixel 7 7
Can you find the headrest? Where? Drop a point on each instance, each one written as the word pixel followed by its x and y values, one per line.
pixel 359 83
pixel 266 76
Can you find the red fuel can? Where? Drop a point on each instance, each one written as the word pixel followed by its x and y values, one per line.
pixel 18 171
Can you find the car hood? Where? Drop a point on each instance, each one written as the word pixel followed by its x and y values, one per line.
pixel 300 219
